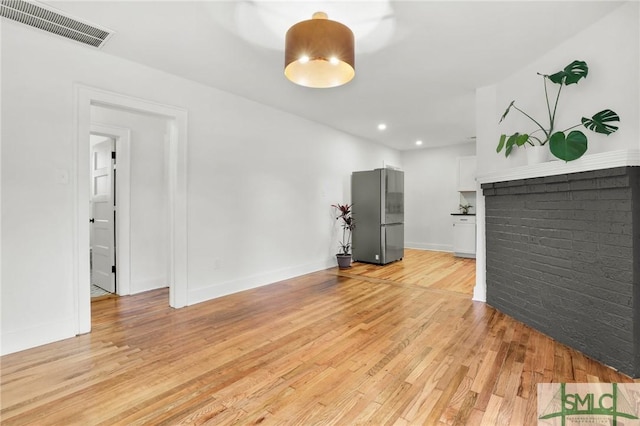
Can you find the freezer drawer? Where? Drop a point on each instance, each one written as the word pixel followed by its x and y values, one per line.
pixel 366 242
pixel 393 242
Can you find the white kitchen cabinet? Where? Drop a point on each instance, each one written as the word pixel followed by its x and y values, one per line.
pixel 464 235
pixel 466 174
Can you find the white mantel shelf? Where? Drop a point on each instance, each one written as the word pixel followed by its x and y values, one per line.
pixel 600 161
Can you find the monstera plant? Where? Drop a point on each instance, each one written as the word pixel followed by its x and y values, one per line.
pixel 565 146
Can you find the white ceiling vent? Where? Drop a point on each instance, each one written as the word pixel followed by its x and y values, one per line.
pixel 44 18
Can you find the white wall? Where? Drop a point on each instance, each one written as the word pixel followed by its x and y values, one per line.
pixel 431 195
pixel 610 47
pixel 148 196
pixel 260 182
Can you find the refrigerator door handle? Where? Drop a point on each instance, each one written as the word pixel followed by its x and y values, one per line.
pixel 383 244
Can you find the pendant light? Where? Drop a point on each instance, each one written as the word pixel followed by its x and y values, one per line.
pixel 319 53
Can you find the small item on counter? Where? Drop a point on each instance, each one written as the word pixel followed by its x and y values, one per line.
pixel 464 208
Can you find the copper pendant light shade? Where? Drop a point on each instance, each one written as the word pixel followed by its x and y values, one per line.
pixel 319 53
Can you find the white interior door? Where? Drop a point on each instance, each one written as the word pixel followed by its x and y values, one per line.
pixel 102 218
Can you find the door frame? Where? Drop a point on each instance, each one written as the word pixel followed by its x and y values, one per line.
pixel 176 162
pixel 122 138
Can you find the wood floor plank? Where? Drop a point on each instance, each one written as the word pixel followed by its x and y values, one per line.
pixel 462 416
pixel 397 344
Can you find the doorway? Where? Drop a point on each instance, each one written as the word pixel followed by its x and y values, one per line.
pixel 102 228
pixel 176 231
pixel 121 259
pixel 148 200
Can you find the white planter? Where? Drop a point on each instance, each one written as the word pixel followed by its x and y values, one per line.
pixel 537 154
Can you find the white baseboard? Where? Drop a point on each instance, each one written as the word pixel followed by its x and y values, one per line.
pixel 19 340
pixel 246 283
pixel 431 247
pixel 140 286
pixel 479 294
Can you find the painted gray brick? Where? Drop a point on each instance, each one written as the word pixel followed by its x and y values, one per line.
pixel 554 187
pixel 614 193
pixel 555 179
pixel 563 256
pixel 617 251
pixel 584 195
pixel 614 182
pixel 583 184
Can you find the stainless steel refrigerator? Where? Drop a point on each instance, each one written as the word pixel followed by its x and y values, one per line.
pixel 378 211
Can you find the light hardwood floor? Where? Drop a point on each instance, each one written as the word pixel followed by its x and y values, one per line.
pixel 402 344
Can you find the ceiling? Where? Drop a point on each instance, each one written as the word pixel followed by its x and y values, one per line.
pixel 416 71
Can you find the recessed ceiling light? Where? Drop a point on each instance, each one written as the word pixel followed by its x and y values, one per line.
pixel 382 126
pixel 418 143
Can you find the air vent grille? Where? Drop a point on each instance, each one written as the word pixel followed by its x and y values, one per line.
pixel 48 20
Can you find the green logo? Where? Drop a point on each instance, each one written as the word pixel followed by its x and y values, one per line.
pixel 588 403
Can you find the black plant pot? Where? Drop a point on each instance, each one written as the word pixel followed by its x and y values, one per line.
pixel 344 261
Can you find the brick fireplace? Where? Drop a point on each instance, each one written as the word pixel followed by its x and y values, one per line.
pixel 563 256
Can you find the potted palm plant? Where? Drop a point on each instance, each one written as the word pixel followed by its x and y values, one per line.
pixel 346 222
pixel 464 208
